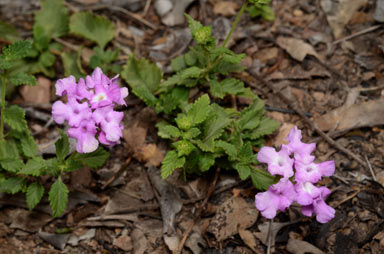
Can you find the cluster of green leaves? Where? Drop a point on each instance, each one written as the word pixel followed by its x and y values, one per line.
pixel 204 133
pixel 261 8
pixel 53 21
pixel 20 165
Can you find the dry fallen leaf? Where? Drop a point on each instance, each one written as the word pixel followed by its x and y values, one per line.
pixel 234 214
pixel 249 239
pixel 225 8
pixel 264 230
pixel 39 94
pixel 124 242
pixel 135 136
pixel 366 114
pixel 340 12
pixel 140 242
pixel 301 247
pixel 296 48
pixel 151 154
pixel 281 137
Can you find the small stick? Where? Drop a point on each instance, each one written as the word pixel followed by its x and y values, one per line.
pixel 269 236
pixel 209 193
pixel 118 173
pixel 370 168
pixel 364 31
pixel 146 8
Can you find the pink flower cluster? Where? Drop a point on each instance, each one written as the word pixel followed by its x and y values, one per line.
pixel 294 163
pixel 89 110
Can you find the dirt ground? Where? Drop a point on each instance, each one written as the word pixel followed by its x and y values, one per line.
pixel 319 65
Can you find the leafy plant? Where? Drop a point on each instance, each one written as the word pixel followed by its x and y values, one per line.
pixel 207 132
pixel 261 8
pixel 20 165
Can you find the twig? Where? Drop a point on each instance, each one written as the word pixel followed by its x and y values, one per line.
pixel 209 193
pixel 269 236
pixel 364 31
pixel 118 173
pixel 146 8
pixel 126 12
pixel 347 198
pixel 313 126
pixel 370 168
pixel 67 44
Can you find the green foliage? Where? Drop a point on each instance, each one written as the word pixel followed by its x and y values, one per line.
pixel 104 60
pixel 261 8
pixel 8 32
pixel 93 160
pixel 93 27
pixel 72 64
pixel 21 78
pixel 35 192
pixel 171 162
pixel 58 197
pixel 14 116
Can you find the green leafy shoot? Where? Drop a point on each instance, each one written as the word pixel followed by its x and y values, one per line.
pixel 58 198
pixel 261 8
pixel 35 192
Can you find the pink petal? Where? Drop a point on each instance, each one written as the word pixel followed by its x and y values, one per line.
pixel 60 112
pixel 66 86
pixel 327 168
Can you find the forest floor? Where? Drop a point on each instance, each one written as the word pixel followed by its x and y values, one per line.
pixel 325 56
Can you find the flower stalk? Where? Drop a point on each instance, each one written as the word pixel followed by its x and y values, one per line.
pixel 2 102
pixel 236 22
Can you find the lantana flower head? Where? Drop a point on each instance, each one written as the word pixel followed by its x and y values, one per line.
pixel 295 164
pixel 89 110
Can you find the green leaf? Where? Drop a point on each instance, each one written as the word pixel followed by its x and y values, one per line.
pixel 14 116
pixel 12 185
pixel 183 122
pixel 227 86
pixel 178 63
pixel 183 147
pixel 192 133
pixel 8 150
pixel 144 78
pixel 243 170
pixel 8 32
pixel 52 19
pixel 251 116
pixel 167 131
pixel 191 72
pixel 267 13
pixel 261 179
pixel 21 78
pixel 206 161
pixel 169 101
pixel 228 148
pixel 95 159
pixel 199 110
pixel 33 167
pixel 53 167
pixel 93 27
pixel 35 192
pixel 4 63
pixel 47 59
pixel 17 50
pixel 72 64
pixel 246 154
pixel 58 197
pixel 194 25
pixel 12 165
pixel 72 165
pixel 62 147
pixel 266 127
pixel 201 34
pixel 28 145
pixel 171 162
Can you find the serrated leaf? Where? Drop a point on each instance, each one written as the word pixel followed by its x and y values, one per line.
pixel 14 116
pixel 190 58
pixel 35 192
pixel 12 165
pixel 72 165
pixel 21 78
pixel 12 185
pixel 58 197
pixel 199 110
pixel 178 63
pixel 8 32
pixel 251 116
pixel 17 50
pixel 8 150
pixel 28 145
pixel 206 161
pixel 191 72
pixel 184 122
pixel 143 77
pixel 72 64
pixel 171 162
pixel 47 59
pixel 93 27
pixel 261 179
pixel 194 25
pixel 228 148
pixel 171 100
pixel 62 147
pixel 246 153
pixel 243 170
pixel 95 159
pixel 33 167
pixel 192 133
pixel 167 131
pixel 266 127
pixel 183 147
pixel 53 167
pixel 5 64
pixel 52 20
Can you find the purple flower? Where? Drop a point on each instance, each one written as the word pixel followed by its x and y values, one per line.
pixel 97 78
pixel 73 112
pixel 302 151
pixel 306 193
pixel 109 121
pixel 313 172
pixel 324 212
pixel 85 136
pixel 279 163
pixel 278 197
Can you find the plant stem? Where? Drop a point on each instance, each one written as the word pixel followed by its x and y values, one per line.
pixel 2 103
pixel 235 23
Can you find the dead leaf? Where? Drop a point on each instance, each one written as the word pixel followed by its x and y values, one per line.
pixel 195 242
pixel 234 214
pixel 266 54
pixel 296 48
pixel 172 242
pixel 249 239
pixel 151 154
pixel 135 136
pixel 281 137
pixel 39 94
pixel 124 242
pixel 140 242
pixel 380 236
pixel 264 230
pixel 57 240
pixel 225 8
pixel 340 12
pixel 30 221
pixel 366 114
pixel 301 247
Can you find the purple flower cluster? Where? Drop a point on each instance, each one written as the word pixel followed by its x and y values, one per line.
pixel 294 162
pixel 89 110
